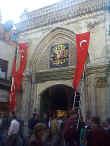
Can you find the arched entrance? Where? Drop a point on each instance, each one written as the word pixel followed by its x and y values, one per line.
pixel 56 98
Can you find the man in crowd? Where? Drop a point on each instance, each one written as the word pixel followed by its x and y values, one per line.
pixel 84 133
pixel 98 136
pixel 32 122
pixel 13 132
pixel 54 129
pixel 108 125
pixel 70 130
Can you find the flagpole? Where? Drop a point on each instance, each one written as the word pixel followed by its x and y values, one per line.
pixel 74 99
pixel 16 52
pixel 84 80
pixel 79 112
pixel 86 89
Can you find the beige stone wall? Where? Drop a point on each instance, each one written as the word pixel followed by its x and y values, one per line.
pixel 91 22
pixel 43 86
pixel 96 101
pixel 40 40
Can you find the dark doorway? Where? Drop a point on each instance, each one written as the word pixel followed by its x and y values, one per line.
pixel 58 97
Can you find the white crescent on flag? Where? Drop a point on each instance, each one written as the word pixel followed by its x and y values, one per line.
pixel 83 41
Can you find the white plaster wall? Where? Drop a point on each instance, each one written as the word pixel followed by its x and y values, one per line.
pixel 7 52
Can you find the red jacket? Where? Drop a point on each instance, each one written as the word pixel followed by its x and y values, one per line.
pixel 70 130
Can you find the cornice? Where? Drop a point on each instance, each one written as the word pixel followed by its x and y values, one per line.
pixel 66 73
pixel 41 18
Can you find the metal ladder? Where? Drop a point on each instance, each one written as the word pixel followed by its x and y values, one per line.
pixel 76 106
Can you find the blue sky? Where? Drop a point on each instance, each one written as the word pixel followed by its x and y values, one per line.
pixel 11 9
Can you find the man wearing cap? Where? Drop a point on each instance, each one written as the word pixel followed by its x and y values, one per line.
pixel 70 132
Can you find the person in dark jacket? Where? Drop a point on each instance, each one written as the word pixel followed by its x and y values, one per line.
pixel 45 120
pixel 98 135
pixel 32 122
pixel 108 125
pixel 70 132
pixel 37 137
pixel 1 138
pixel 21 132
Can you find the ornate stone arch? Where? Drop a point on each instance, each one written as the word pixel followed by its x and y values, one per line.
pixel 52 36
pixel 42 87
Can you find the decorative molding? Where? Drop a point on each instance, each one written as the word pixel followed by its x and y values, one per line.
pixel 59 12
pixel 45 43
pixel 92 25
pixel 65 74
pixel 101 82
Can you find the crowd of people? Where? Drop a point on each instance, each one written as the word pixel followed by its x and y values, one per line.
pixel 55 131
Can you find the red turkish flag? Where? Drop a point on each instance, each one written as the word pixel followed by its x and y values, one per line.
pixel 23 59
pixel 82 43
pixel 12 97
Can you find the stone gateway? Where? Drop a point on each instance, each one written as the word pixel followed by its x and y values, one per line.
pixel 50 33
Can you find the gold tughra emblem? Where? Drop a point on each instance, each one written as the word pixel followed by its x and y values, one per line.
pixel 59 55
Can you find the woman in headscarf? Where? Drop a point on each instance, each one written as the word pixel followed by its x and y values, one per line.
pixel 37 138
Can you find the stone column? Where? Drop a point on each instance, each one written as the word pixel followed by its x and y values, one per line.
pixel 88 103
pixel 82 97
pixel 108 97
pixel 92 95
pixel 101 98
pixel 26 100
pixel 107 26
pixel 35 98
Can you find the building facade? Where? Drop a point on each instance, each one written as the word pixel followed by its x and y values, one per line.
pixel 7 53
pixel 50 32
